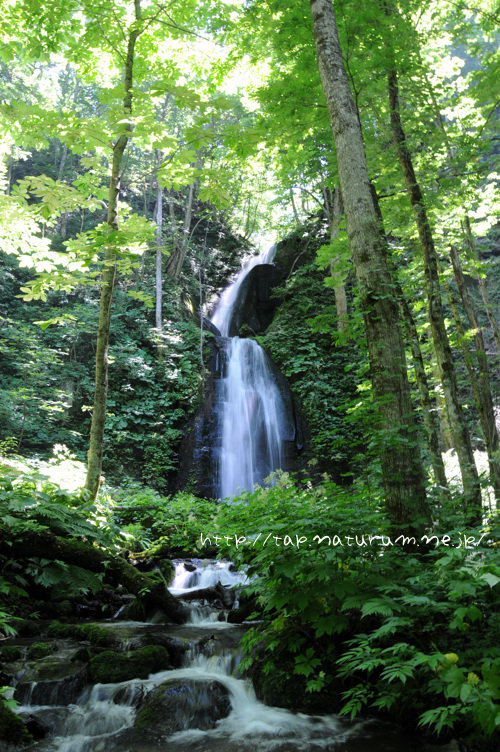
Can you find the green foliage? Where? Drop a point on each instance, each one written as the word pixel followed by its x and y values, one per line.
pixel 30 502
pixel 175 523
pixel 376 621
pixel 321 374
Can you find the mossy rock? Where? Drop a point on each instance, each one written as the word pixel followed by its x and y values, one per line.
pixel 167 569
pixel 110 667
pixel 180 704
pixel 134 611
pixel 82 632
pixel 12 728
pixel 10 653
pixel 284 689
pixel 39 650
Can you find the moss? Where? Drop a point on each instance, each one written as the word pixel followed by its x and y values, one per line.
pixel 150 713
pixel 39 650
pixel 12 728
pixel 10 653
pixel 167 569
pixel 134 611
pixel 88 632
pixel 110 667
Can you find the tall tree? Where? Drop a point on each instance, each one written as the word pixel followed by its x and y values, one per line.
pixel 401 466
pixel 94 457
pixel 442 349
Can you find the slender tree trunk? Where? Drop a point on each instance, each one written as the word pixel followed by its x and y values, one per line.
pixel 482 286
pixel 466 226
pixel 486 407
pixel 401 465
pixel 94 455
pixel 429 407
pixel 294 208
pixel 159 264
pixel 446 369
pixel 180 240
pixel 337 209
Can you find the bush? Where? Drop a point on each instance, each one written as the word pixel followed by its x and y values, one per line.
pixel 405 630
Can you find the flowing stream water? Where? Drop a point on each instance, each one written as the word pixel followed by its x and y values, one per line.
pixel 252 413
pixel 103 716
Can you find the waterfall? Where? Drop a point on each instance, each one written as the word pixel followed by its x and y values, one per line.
pixel 252 414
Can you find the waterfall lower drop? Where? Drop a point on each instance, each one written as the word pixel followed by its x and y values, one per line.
pixel 252 413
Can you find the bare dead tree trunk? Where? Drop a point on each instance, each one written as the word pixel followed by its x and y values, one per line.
pixel 400 457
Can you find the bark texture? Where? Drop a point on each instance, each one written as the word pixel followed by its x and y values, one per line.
pixel 429 407
pixel 401 466
pixel 446 368
pixel 94 456
pixel 158 262
pixel 486 407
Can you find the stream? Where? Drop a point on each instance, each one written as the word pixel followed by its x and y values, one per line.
pixel 204 705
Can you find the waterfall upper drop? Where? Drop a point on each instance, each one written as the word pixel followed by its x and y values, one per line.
pixel 249 425
pixel 252 413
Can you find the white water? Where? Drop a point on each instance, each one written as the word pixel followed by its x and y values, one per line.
pixel 223 313
pixel 207 573
pixel 251 409
pixel 103 718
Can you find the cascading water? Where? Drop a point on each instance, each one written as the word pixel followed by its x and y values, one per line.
pixel 252 412
pixel 203 706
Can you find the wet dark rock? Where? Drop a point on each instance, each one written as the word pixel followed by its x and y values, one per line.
pixel 181 704
pixel 110 666
pixel 51 681
pixel 218 595
pixel 36 727
pixel 132 611
pixel 12 727
pixel 132 694
pixel 39 650
pixel 256 305
pixel 10 653
pixel 92 633
pixel 246 607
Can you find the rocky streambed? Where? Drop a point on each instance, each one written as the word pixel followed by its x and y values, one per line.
pixel 130 686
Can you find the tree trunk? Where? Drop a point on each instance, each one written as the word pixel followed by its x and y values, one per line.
pixel 429 407
pixel 159 281
pixel 466 226
pixel 180 241
pixel 337 209
pixel 446 369
pixel 401 467
pixel 94 456
pixel 486 408
pixel 482 286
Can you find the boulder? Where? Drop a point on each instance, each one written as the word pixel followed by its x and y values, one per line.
pixel 55 680
pixel 181 704
pixel 110 667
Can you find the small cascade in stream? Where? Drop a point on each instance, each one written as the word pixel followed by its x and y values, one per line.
pixel 203 706
pixel 254 420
